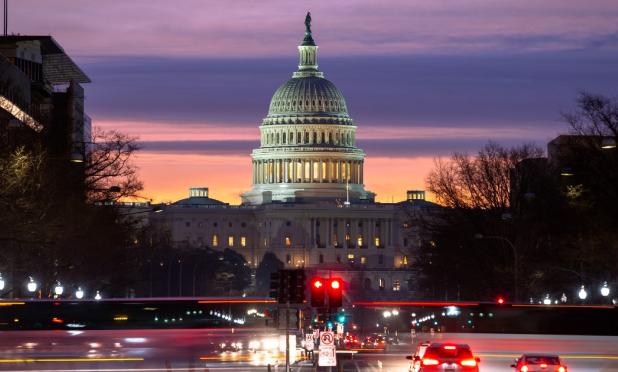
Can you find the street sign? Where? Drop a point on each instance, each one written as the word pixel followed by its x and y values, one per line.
pixel 327 356
pixel 327 338
pixel 340 329
pixel 309 342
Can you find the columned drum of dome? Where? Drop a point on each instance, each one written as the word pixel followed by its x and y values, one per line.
pixel 308 141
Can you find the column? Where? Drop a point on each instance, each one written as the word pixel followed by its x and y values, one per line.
pixel 329 233
pixel 362 163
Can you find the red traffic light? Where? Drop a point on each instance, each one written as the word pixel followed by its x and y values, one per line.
pixel 335 284
pixel 500 300
pixel 317 291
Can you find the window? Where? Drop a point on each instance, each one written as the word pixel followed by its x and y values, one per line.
pixel 351 258
pixel 338 258
pixel 288 223
pixel 363 260
pixel 377 241
pixel 381 283
pixel 359 241
pixel 335 240
pixel 229 224
pixel 243 224
pixel 380 259
pixel 288 241
pixel 243 241
pixel 188 224
pixel 405 242
pixel 404 261
pixel 230 241
pixel 321 258
pixel 288 259
pixel 215 240
pixel 367 283
pixel 347 239
pixel 396 286
pixel 214 224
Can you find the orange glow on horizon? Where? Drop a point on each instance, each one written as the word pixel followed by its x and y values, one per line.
pixel 167 177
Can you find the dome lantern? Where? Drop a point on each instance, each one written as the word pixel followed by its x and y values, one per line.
pixel 308 54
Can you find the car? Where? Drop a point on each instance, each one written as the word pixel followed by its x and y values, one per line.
pixel 351 342
pixel 373 342
pixel 415 364
pixel 447 357
pixel 539 363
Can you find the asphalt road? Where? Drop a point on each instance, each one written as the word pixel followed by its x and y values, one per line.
pixel 200 350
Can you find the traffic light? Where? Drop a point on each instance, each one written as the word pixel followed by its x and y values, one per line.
pixel 318 287
pixel 335 293
pixel 290 286
pixel 274 285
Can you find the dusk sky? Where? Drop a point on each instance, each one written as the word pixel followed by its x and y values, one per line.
pixel 422 79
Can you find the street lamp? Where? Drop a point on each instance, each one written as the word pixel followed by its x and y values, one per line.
pixel 58 289
pixel 547 300
pixel 386 314
pixel 563 298
pixel 582 293
pixel 605 290
pixel 1 282
pixel 97 296
pixel 79 293
pixel 31 285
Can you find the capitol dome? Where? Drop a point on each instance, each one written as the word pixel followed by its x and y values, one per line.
pixel 307 141
pixel 308 94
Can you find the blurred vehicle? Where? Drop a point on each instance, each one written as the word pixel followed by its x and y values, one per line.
pixel 392 340
pixel 351 342
pixel 447 357
pixel 229 347
pixel 538 362
pixel 373 342
pixel 415 364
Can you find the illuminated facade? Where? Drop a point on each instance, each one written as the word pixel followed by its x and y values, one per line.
pixel 308 141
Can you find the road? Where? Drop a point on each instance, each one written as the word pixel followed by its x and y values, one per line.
pixel 200 350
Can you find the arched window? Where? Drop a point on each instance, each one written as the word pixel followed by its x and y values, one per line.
pixel 277 139
pixel 367 284
pixel 283 138
pixel 215 240
pixel 315 138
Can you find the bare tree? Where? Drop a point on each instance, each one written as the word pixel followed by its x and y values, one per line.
pixel 109 173
pixel 479 182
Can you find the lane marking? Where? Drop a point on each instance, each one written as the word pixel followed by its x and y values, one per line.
pixel 69 360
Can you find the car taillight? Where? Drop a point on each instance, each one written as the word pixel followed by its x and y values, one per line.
pixel 524 369
pixel 543 365
pixel 468 363
pixel 561 369
pixel 450 347
pixel 430 362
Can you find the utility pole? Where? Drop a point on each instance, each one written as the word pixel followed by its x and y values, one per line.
pixel 6 17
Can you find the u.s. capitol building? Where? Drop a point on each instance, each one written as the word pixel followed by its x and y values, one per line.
pixel 308 204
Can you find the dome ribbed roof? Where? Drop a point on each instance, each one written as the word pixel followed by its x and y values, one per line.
pixel 308 95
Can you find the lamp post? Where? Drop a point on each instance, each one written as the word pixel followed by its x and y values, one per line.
pixel 32 285
pixel 98 296
pixel 582 294
pixel 515 260
pixel 79 294
pixel 2 283
pixel 58 289
pixel 605 290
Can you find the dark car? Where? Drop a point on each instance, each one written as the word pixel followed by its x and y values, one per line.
pixel 539 363
pixel 447 357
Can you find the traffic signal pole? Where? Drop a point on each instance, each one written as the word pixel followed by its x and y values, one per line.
pixel 287 337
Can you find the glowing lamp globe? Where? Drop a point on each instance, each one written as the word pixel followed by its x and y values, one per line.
pixel 59 290
pixel 79 293
pixel 31 286
pixel 605 290
pixel 582 293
